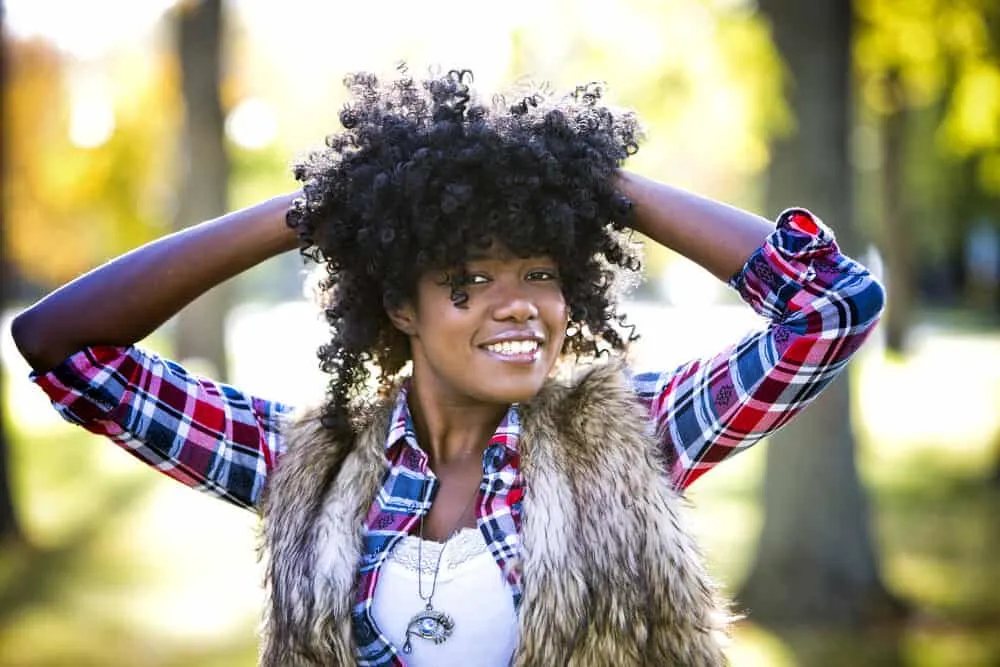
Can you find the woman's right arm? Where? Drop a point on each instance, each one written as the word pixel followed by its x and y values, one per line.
pixel 79 340
pixel 125 300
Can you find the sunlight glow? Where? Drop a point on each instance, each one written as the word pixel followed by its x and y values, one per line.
pixel 84 29
pixel 92 122
pixel 893 393
pixel 252 124
pixel 687 285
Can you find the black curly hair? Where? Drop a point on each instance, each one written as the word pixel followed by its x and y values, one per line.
pixel 422 174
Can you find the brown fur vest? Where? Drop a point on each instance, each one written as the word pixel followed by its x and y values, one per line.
pixel 611 576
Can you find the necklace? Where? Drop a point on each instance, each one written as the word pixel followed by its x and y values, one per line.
pixel 429 623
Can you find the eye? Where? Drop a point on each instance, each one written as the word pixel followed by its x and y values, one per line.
pixel 475 279
pixel 543 274
pixel 460 279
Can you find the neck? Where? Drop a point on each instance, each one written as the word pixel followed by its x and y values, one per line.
pixel 452 431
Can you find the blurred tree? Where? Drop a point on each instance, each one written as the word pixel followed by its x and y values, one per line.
pixel 929 77
pixel 202 195
pixel 995 479
pixel 815 564
pixel 703 77
pixel 898 248
pixel 72 205
pixel 82 174
pixel 9 528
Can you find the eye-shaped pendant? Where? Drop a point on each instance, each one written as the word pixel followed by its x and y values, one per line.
pixel 435 626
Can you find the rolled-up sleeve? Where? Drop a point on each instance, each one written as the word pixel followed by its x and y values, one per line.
pixel 821 306
pixel 207 435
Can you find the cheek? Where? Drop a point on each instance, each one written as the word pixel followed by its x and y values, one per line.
pixel 557 314
pixel 435 313
pixel 561 307
pixel 442 325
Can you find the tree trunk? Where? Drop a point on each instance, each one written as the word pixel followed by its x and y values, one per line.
pixel 995 478
pixel 200 328
pixel 815 563
pixel 10 529
pixel 897 246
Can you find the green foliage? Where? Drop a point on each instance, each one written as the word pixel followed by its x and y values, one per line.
pixel 704 77
pixel 72 206
pixel 946 55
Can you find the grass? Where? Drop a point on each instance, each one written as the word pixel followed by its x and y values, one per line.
pixel 123 568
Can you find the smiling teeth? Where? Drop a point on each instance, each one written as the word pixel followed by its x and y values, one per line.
pixel 512 347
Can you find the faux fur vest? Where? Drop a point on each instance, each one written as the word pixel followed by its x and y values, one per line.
pixel 611 578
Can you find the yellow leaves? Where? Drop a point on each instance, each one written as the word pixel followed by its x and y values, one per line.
pixel 755 68
pixel 704 76
pixel 918 53
pixel 901 36
pixel 923 40
pixel 972 122
pixel 962 28
pixel 72 204
pixel 898 32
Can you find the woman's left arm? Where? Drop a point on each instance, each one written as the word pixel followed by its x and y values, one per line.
pixel 717 236
pixel 821 306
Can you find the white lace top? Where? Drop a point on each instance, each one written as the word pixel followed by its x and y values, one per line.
pixel 470 589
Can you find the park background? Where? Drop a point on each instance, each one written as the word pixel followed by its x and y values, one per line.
pixel 865 534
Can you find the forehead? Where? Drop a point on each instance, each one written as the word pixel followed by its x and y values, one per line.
pixel 500 252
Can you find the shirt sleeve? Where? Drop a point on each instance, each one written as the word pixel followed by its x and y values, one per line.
pixel 207 435
pixel 821 306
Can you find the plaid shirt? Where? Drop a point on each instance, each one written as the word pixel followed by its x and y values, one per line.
pixel 821 306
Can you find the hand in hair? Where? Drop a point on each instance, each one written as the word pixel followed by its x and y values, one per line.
pixel 423 174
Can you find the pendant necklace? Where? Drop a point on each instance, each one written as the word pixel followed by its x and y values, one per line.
pixel 429 623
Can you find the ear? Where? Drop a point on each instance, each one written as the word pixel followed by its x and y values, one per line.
pixel 403 318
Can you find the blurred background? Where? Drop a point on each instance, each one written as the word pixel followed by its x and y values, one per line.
pixel 864 534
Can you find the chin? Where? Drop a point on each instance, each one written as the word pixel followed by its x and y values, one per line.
pixel 512 392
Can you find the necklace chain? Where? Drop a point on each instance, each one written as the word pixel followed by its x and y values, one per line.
pixel 437 566
pixel 430 624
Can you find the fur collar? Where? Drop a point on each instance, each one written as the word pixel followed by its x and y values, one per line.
pixel 611 576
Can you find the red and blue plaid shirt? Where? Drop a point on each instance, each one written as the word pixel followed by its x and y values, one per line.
pixel 821 306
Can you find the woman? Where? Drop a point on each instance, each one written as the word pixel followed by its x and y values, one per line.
pixel 473 509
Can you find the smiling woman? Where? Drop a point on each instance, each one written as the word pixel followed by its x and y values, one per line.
pixel 475 509
pixel 495 345
pixel 424 179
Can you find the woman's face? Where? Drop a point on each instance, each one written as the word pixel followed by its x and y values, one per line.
pixel 501 343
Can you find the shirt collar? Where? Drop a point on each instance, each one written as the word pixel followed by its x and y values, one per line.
pixel 401 430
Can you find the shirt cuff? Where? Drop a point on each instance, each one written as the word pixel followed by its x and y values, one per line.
pixel 86 387
pixel 789 258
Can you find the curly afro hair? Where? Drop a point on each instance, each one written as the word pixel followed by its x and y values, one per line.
pixel 422 174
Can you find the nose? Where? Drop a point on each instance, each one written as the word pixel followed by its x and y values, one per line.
pixel 515 304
